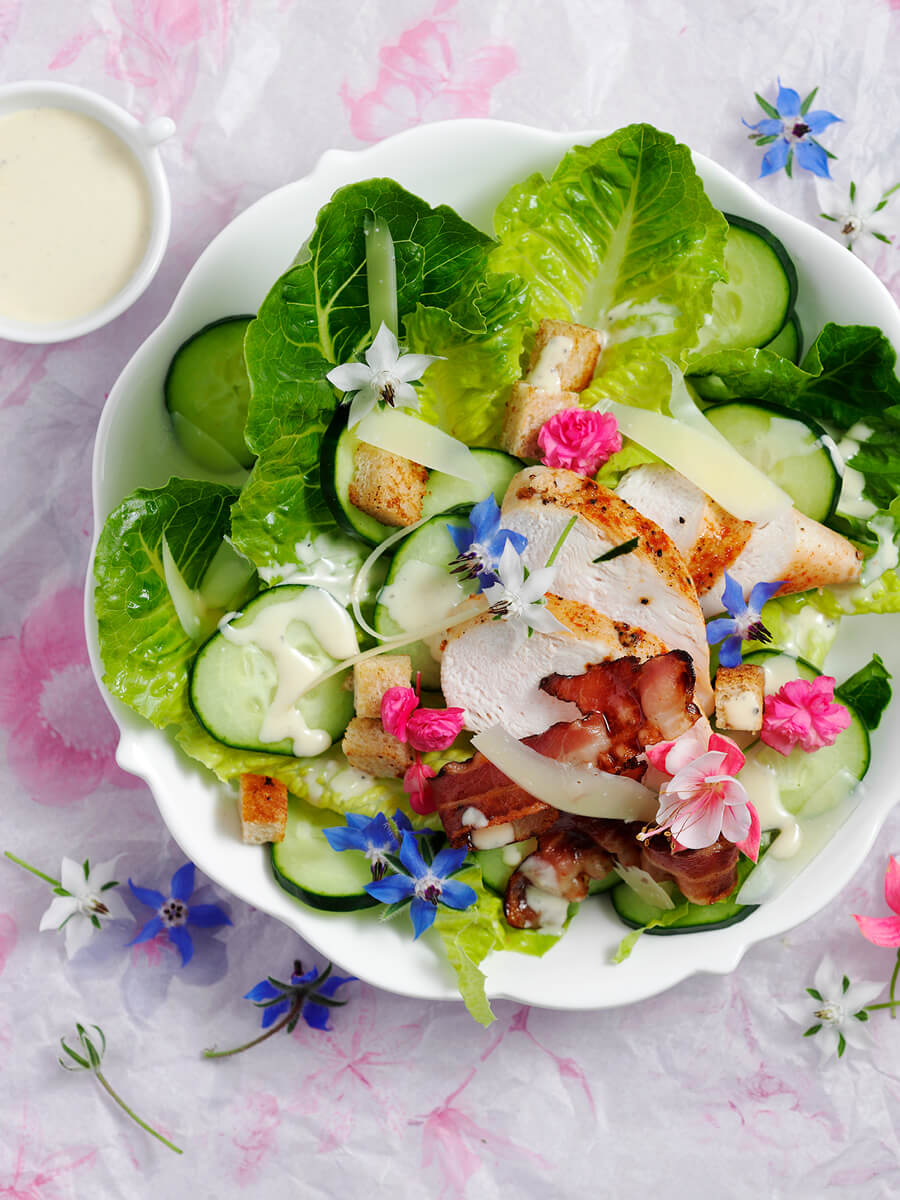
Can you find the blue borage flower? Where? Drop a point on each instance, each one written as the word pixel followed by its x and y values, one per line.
pixel 790 130
pixel 744 624
pixel 423 885
pixel 374 837
pixel 173 913
pixel 482 542
pixel 309 993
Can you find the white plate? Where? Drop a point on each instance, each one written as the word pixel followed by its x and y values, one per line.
pixel 469 165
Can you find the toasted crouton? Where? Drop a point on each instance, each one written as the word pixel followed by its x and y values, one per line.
pixel 527 410
pixel 573 361
pixel 370 748
pixel 387 486
pixel 740 693
pixel 373 676
pixel 264 806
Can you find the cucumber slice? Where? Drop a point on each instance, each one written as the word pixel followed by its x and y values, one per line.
pixel 789 343
pixel 636 912
pixel 232 686
pixel 810 784
pixel 442 491
pixel 792 451
pixel 207 391
pixel 419 583
pixel 752 307
pixel 307 867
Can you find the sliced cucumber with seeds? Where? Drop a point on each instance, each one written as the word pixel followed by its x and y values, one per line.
pixel 633 910
pixel 306 866
pixel 810 784
pixel 442 492
pixel 752 307
pixel 420 587
pixel 232 685
pixel 207 391
pixel 793 452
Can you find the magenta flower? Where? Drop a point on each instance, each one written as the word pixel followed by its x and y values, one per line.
pixel 423 728
pixel 579 439
pixel 805 713
pixel 415 784
pixel 885 931
pixel 62 740
pixel 702 800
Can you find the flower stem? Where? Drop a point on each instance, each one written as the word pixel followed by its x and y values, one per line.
pixel 885 1004
pixel 292 1012
pixel 560 541
pixel 894 985
pixel 20 862
pixel 143 1124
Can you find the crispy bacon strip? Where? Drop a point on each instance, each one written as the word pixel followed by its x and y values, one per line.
pixel 704 876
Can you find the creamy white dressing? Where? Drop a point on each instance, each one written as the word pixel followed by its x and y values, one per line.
pixel 761 784
pixel 493 837
pixel 851 500
pixel 800 628
pixel 545 372
pixel 886 555
pixel 327 561
pixel 516 852
pixel 551 910
pixel 331 626
pixel 473 818
pixel 75 214
pixel 540 872
pixel 422 588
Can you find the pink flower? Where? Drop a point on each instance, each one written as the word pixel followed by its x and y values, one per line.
pixel 579 440
pixel 415 784
pixel 422 728
pixel 397 705
pixel 62 740
pixel 885 931
pixel 701 799
pixel 803 712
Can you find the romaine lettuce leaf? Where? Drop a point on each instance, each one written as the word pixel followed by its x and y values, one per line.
pixel 623 238
pixel 317 315
pixel 471 934
pixel 868 691
pixel 144 649
pixel 465 393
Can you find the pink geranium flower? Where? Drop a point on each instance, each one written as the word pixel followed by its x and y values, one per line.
pixel 701 799
pixel 885 931
pixel 415 784
pixel 397 706
pixel 62 740
pixel 579 439
pixel 805 713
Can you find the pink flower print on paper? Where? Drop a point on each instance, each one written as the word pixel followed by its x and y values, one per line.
pixel 423 77
pixel 255 1119
pixel 456 1145
pixel 27 1172
pixel 157 46
pixel 803 713
pixel 62 740
pixel 9 935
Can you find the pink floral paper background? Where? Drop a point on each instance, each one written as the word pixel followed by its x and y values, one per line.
pixel 707 1090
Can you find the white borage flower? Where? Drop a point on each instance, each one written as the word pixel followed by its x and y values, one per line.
pixel 862 212
pixel 518 597
pixel 835 1010
pixel 385 376
pixel 85 898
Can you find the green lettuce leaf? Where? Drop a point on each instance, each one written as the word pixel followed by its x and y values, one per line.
pixel 868 691
pixel 470 935
pixel 847 377
pixel 623 238
pixel 465 393
pixel 145 651
pixel 316 316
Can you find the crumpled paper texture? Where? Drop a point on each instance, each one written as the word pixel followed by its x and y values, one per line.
pixel 709 1085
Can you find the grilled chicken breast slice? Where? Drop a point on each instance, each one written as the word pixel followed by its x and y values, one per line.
pixel 649 588
pixel 792 547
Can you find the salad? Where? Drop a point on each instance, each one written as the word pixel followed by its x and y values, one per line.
pixel 542 543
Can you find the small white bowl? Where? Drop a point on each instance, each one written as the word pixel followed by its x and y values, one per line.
pixel 143 141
